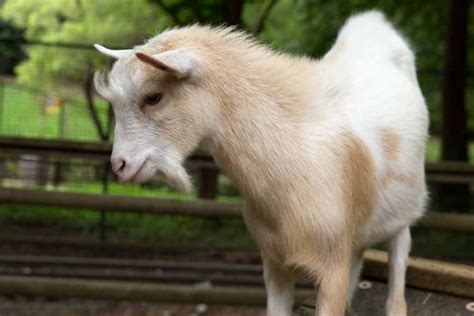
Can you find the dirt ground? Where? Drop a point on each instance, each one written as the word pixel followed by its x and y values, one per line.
pixel 21 306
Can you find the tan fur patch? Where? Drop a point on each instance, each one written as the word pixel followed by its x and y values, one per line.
pixel 390 143
pixel 358 181
pixel 390 175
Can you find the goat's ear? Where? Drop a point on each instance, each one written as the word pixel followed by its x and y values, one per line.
pixel 177 62
pixel 114 53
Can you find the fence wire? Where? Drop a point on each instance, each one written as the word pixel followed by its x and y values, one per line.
pixel 52 96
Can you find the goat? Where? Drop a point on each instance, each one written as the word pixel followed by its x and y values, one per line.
pixel 328 154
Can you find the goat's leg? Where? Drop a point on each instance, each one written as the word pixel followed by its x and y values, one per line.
pixel 356 268
pixel 398 256
pixel 280 289
pixel 333 288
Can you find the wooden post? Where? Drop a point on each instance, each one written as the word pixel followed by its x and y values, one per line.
pixel 208 183
pixel 58 165
pixel 103 212
pixel 454 117
pixel 105 178
pixel 2 99
pixel 43 165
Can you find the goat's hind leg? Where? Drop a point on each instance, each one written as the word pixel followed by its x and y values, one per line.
pixel 280 289
pixel 398 256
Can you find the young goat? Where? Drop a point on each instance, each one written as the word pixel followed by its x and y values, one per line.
pixel 328 153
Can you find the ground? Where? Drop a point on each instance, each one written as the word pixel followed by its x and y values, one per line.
pixel 371 301
pixel 21 306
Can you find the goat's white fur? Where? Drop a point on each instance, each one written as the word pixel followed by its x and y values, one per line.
pixel 329 153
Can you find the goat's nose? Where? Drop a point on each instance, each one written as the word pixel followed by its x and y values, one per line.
pixel 118 164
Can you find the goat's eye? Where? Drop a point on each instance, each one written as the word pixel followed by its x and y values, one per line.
pixel 153 99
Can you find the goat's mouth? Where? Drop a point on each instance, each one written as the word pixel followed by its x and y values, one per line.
pixel 134 175
pixel 142 174
pixel 173 173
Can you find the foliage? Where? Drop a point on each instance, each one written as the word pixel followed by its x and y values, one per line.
pixel 11 52
pixel 189 12
pixel 217 12
pixel 116 23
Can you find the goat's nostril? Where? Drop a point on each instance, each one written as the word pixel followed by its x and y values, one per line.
pixel 122 166
pixel 118 165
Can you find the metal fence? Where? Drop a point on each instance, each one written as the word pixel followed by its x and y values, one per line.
pixel 30 112
pixel 50 93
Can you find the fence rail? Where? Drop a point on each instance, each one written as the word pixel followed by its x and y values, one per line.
pixel 199 208
pixel 440 172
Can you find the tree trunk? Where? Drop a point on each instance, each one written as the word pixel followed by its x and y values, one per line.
pixel 233 12
pixel 454 117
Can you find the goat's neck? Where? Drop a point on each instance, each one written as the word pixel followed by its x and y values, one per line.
pixel 259 141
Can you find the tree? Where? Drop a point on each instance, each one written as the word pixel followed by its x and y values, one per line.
pixel 11 52
pixel 219 12
pixel 116 23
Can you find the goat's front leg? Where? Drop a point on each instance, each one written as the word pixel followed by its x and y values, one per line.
pixel 334 288
pixel 280 289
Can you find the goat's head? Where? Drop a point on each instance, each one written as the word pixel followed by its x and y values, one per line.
pixel 162 112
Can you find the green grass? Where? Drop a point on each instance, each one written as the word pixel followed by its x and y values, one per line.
pixel 442 244
pixel 83 222
pixel 144 227
pixel 115 188
pixel 141 227
pixel 22 113
pixel 433 151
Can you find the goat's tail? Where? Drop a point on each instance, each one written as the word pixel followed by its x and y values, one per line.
pixel 369 36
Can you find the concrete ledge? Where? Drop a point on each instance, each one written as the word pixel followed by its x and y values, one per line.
pixel 432 275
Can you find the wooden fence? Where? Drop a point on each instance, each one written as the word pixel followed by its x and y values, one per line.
pixel 445 172
pixel 199 208
pixel 441 172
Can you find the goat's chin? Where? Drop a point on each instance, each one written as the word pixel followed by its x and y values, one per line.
pixel 174 174
pixel 169 168
pixel 178 178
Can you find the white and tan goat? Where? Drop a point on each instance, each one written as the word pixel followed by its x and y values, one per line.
pixel 328 153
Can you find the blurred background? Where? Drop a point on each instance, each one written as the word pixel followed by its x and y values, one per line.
pixel 58 196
